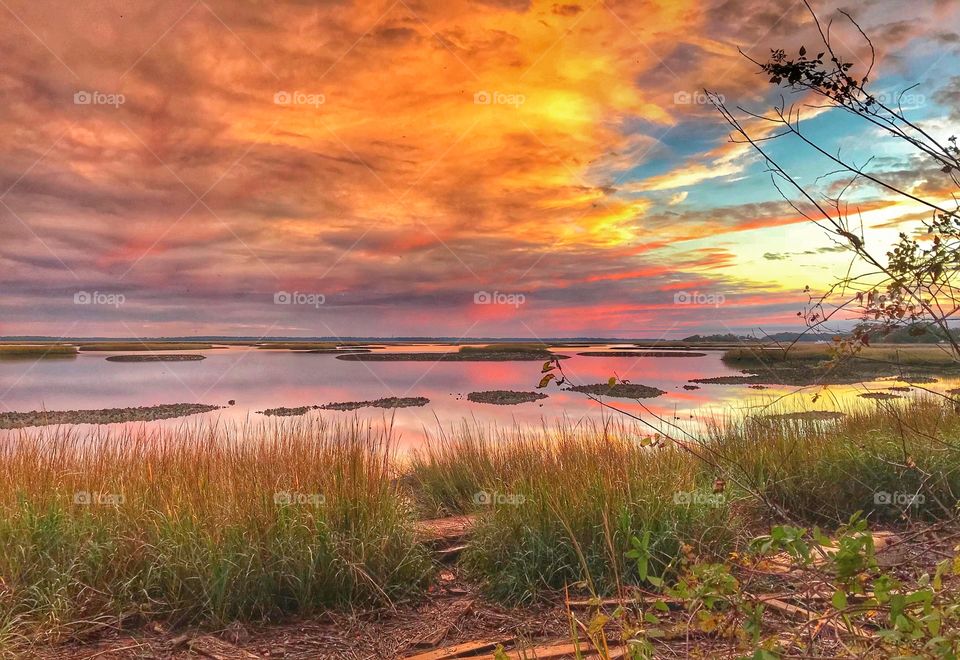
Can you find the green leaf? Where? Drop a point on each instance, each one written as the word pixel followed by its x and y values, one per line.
pixel 839 599
pixel 546 380
pixel 547 366
pixel 612 381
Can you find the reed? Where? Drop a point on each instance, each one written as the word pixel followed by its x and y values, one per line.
pixel 563 505
pixel 200 524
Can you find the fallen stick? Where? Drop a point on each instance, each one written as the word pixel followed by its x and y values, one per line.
pixel 457 650
pixel 548 651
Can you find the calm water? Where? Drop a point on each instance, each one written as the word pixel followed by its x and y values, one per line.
pixel 259 379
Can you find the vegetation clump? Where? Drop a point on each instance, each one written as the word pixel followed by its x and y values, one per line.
pixel 504 397
pixel 145 346
pixel 201 525
pixel 17 420
pixel 287 412
pixel 620 390
pixel 36 351
pixel 387 402
pixel 638 353
pixel 163 357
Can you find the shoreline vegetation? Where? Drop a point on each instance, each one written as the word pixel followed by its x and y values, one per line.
pixel 145 346
pixel 36 351
pixel 820 364
pixel 505 397
pixel 619 390
pixel 386 402
pixel 163 357
pixel 19 420
pixel 490 353
pixel 211 523
pixel 640 353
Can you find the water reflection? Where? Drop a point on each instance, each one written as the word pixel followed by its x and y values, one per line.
pixel 259 379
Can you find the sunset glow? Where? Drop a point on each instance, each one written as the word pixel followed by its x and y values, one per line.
pixel 399 158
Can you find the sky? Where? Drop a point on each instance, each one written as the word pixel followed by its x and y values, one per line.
pixel 460 168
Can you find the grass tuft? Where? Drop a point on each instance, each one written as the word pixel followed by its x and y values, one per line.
pixel 204 524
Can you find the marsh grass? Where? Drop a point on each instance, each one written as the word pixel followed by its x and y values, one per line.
pixel 561 506
pixel 208 523
pixel 203 524
pixel 34 351
pixel 145 346
pixel 894 354
pixel 507 347
pixel 823 471
pixel 298 345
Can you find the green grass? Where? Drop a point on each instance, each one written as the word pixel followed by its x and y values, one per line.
pixel 195 525
pixel 36 351
pixel 201 535
pixel 565 505
pixel 572 499
pixel 824 471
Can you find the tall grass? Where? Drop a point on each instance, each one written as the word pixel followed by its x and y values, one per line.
pixel 211 523
pixel 824 471
pixel 201 524
pixel 562 506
